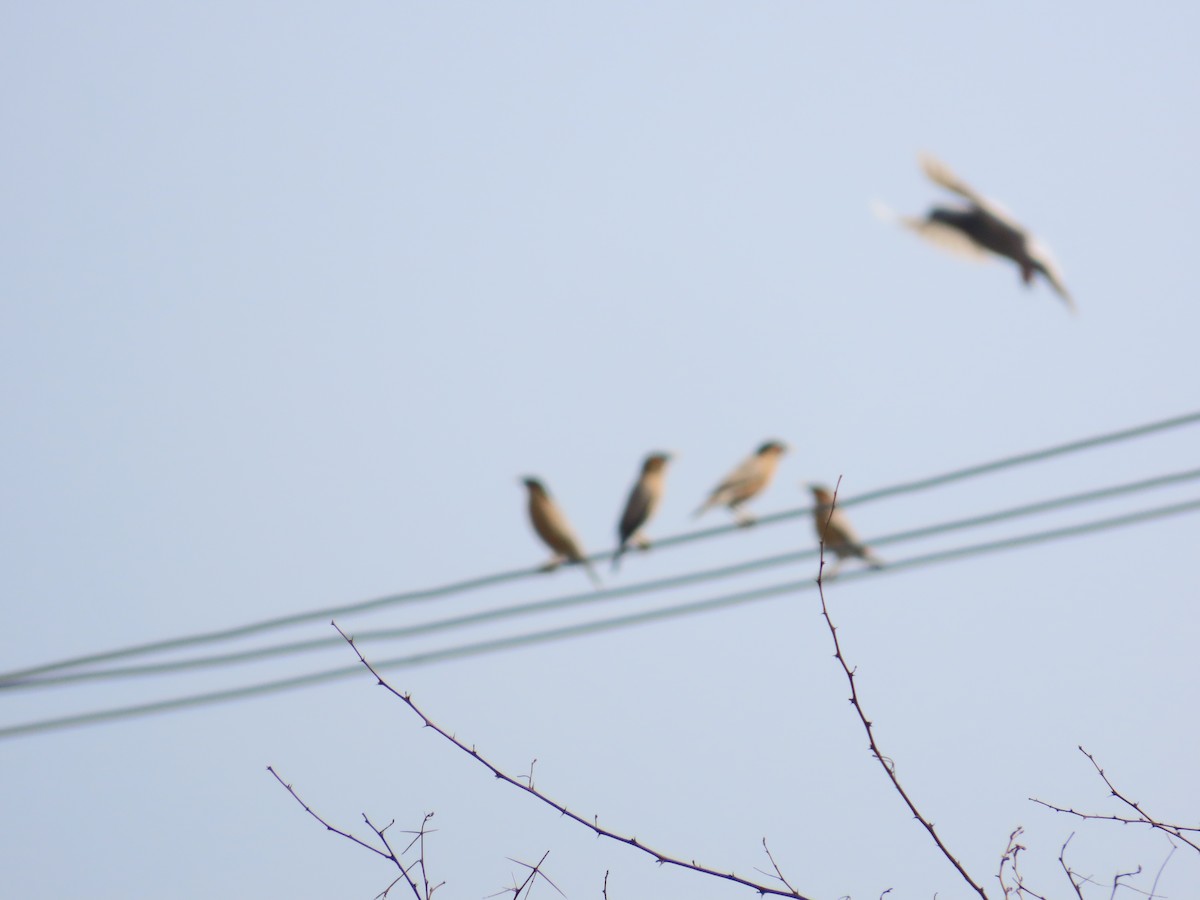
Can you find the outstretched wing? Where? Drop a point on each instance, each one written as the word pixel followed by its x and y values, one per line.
pixel 941 174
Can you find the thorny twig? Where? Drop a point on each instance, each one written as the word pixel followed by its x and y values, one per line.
pixel 1117 880
pixel 1062 861
pixel 875 751
pixel 774 865
pixel 1158 874
pixel 1175 831
pixel 387 853
pixel 659 857
pixel 526 886
pixel 1010 858
pixel 420 838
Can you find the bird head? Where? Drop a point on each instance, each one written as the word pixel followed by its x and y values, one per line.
pixel 534 485
pixel 772 448
pixel 821 493
pixel 656 462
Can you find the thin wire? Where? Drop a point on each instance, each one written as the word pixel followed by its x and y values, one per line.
pixel 344 610
pixel 601 625
pixel 589 597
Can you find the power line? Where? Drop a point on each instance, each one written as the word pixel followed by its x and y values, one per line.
pixel 343 610
pixel 554 634
pixel 590 597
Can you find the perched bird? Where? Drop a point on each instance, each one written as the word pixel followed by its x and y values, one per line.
pixel 643 501
pixel 981 227
pixel 746 481
pixel 836 533
pixel 552 527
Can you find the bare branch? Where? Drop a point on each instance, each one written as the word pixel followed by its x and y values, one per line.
pixel 526 886
pixel 387 853
pixel 658 856
pixel 1062 861
pixel 1175 831
pixel 1117 881
pixel 1011 852
pixel 884 761
pixel 1158 874
pixel 774 865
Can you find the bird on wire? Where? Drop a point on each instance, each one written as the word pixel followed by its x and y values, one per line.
pixel 980 229
pixel 748 480
pixel 643 500
pixel 555 531
pixel 836 534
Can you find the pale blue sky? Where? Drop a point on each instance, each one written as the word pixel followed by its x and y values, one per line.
pixel 294 292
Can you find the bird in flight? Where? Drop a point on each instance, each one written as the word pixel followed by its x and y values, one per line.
pixel 979 229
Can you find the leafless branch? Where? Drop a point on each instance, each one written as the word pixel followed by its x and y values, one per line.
pixel 632 841
pixel 386 853
pixel 1117 881
pixel 1062 861
pixel 1175 831
pixel 1158 874
pixel 888 767
pixel 526 886
pixel 1011 852
pixel 774 865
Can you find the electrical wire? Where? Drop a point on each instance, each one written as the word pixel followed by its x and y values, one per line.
pixel 591 597
pixel 458 587
pixel 601 625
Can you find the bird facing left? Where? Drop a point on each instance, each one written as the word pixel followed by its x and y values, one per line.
pixel 552 527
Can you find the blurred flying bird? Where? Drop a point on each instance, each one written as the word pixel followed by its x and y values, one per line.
pixel 836 533
pixel 552 527
pixel 643 501
pixel 978 228
pixel 746 481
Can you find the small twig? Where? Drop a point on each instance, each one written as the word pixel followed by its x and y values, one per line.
pixel 887 765
pixel 1011 853
pixel 1062 861
pixel 424 871
pixel 658 856
pixel 526 886
pixel 390 855
pixel 1117 881
pixel 604 887
pixel 774 865
pixel 1171 830
pixel 529 777
pixel 1158 874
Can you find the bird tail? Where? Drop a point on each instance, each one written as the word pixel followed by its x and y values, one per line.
pixel 592 573
pixel 616 560
pixel 702 509
pixel 871 559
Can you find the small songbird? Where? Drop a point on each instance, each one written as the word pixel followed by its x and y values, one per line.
pixel 643 501
pixel 981 227
pixel 836 533
pixel 552 527
pixel 746 481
